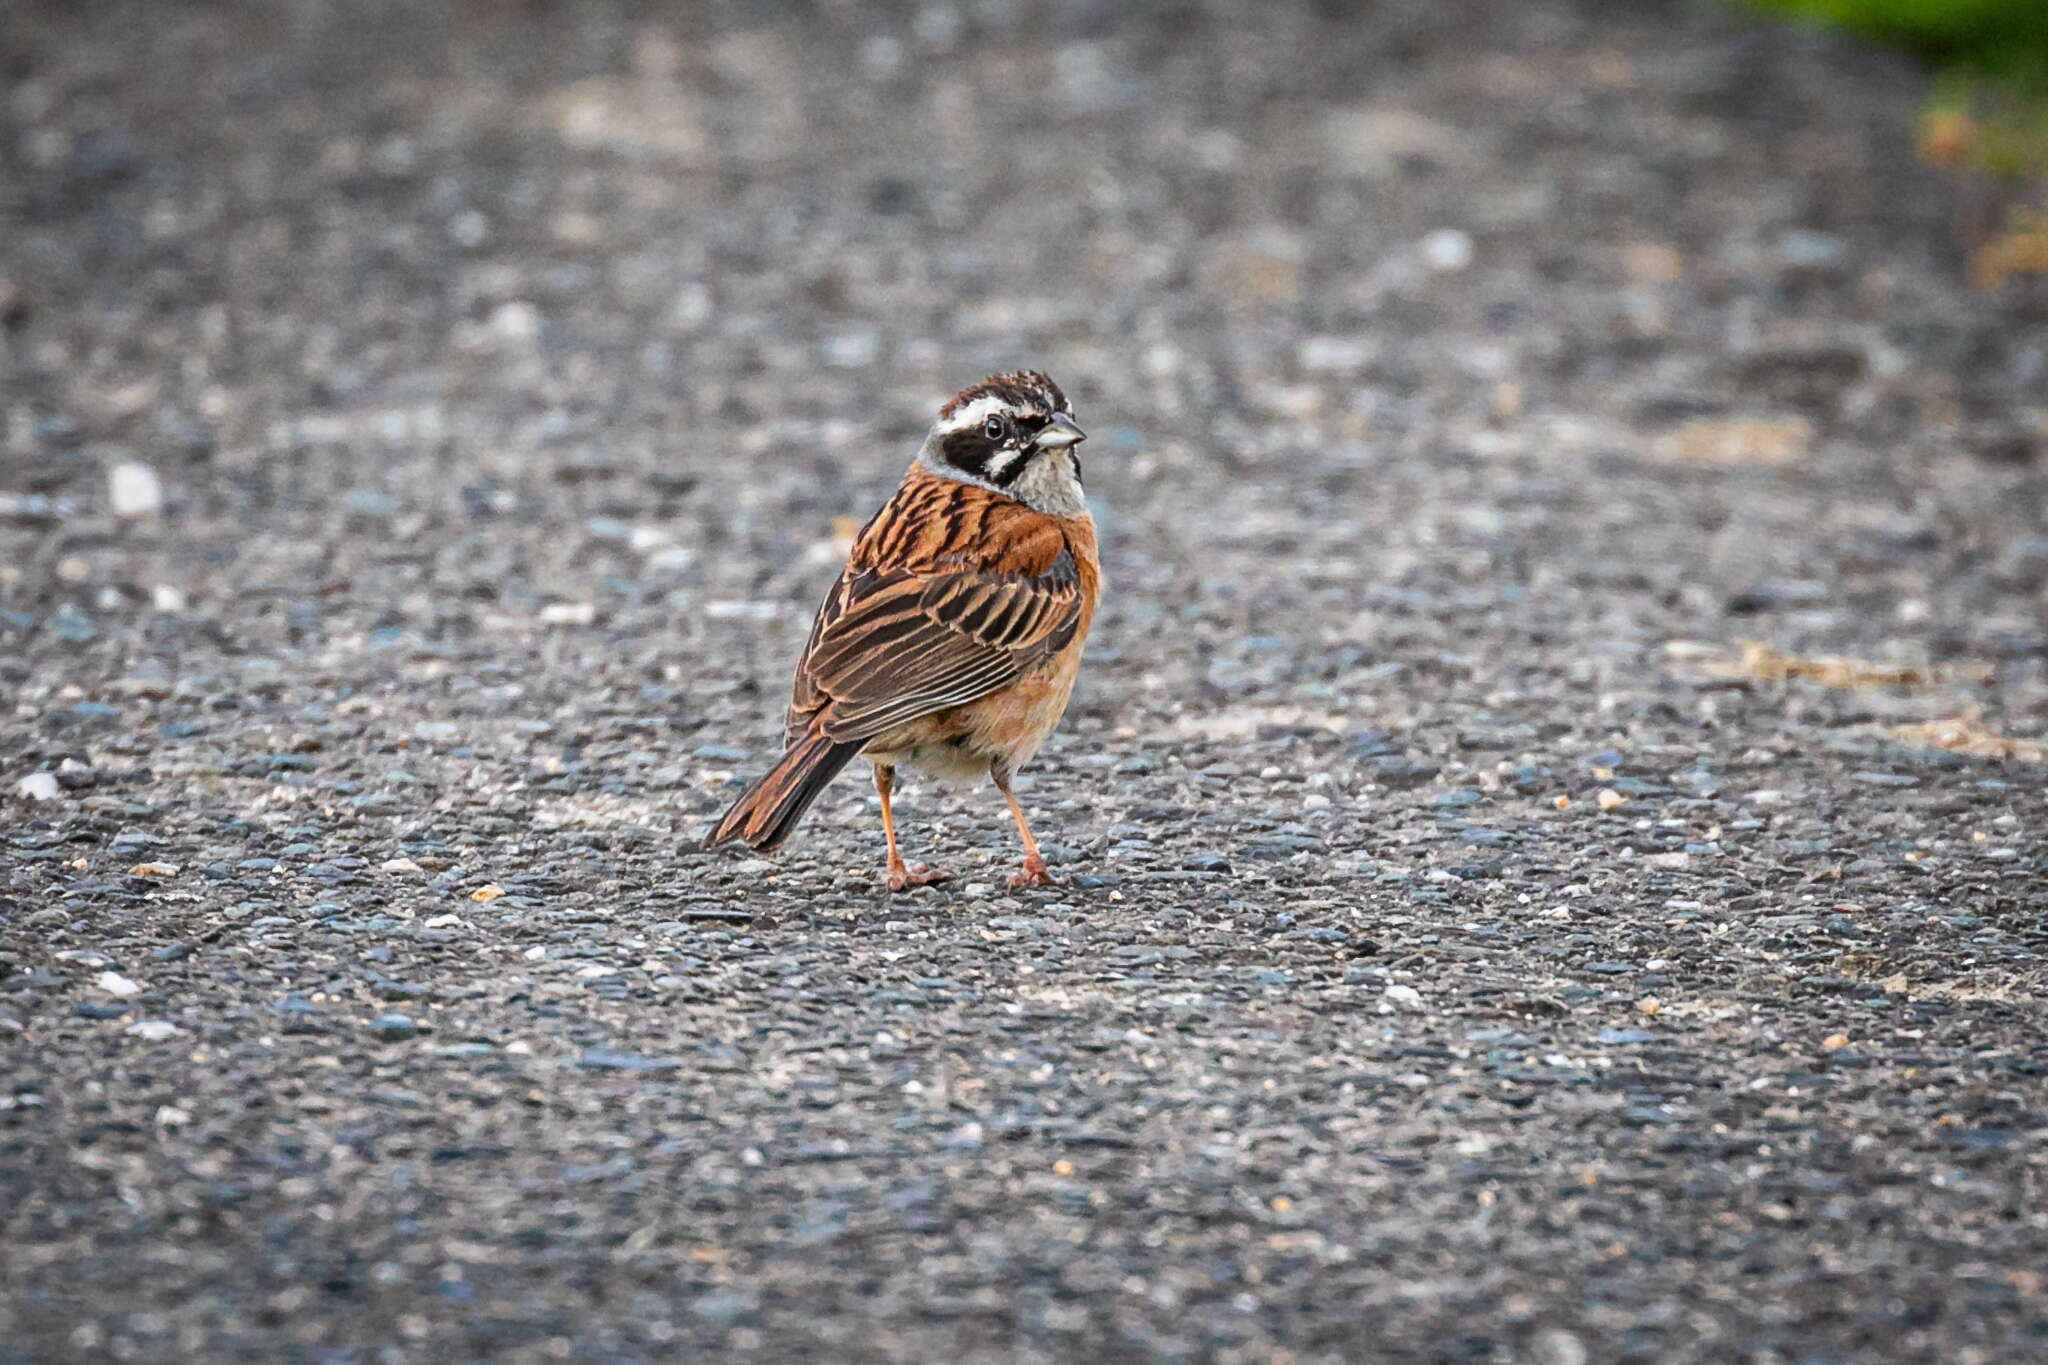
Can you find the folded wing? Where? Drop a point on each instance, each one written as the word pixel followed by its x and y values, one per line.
pixel 890 646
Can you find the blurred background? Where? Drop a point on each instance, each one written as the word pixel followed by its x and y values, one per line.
pixel 489 326
pixel 476 322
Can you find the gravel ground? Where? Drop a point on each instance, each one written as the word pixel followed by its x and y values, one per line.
pixel 423 437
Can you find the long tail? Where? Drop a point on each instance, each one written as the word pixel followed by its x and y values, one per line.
pixel 764 816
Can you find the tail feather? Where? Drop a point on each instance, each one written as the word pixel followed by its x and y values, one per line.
pixel 766 813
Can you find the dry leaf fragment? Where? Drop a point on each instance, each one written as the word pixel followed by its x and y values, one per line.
pixel 1947 137
pixel 2021 251
pixel 1651 263
pixel 1737 443
pixel 636 118
pixel 1967 735
pixel 1755 661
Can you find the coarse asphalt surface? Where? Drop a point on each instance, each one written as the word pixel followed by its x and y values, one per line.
pixel 1466 953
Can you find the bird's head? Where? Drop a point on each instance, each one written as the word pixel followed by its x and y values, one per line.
pixel 1014 433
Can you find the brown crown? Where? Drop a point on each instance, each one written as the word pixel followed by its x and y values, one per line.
pixel 1019 388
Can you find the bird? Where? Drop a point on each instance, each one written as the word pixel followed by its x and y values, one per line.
pixel 951 641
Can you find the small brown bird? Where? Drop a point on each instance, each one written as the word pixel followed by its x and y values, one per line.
pixel 952 639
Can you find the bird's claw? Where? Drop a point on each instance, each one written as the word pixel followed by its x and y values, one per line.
pixel 903 878
pixel 1034 874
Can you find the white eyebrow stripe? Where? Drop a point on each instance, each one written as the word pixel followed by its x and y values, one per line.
pixel 975 413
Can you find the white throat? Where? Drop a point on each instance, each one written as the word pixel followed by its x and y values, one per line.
pixel 1049 483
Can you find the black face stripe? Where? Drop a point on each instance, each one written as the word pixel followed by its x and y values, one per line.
pixel 1009 471
pixel 969 451
pixel 998 462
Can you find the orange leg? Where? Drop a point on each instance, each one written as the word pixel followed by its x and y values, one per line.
pixel 1034 873
pixel 901 878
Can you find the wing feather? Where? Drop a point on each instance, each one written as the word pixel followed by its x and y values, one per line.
pixel 890 646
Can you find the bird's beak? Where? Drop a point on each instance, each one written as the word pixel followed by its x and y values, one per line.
pixel 1058 433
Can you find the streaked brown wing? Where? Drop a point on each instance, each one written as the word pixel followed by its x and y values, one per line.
pixel 891 645
pixel 805 700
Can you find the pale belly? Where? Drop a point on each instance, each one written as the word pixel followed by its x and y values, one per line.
pixel 1009 725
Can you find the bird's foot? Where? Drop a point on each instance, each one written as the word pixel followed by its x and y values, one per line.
pixel 1034 874
pixel 903 878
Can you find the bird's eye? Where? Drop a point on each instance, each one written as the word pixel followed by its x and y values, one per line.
pixel 993 428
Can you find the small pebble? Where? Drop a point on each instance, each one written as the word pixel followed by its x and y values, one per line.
pixel 113 983
pixel 1447 249
pixel 134 490
pixel 39 786
pixel 568 613
pixel 393 1028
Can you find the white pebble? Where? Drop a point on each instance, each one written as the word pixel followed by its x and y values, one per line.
pixel 851 350
pixel 741 611
pixel 671 559
pixel 113 983
pixel 1447 249
pixel 568 613
pixel 515 321
pixel 167 598
pixel 153 1030
pixel 1334 355
pixel 1404 995
pixel 39 787
pixel 135 490
pixel 692 307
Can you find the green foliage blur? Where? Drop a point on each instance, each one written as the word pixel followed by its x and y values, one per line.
pixel 1986 116
pixel 2003 38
